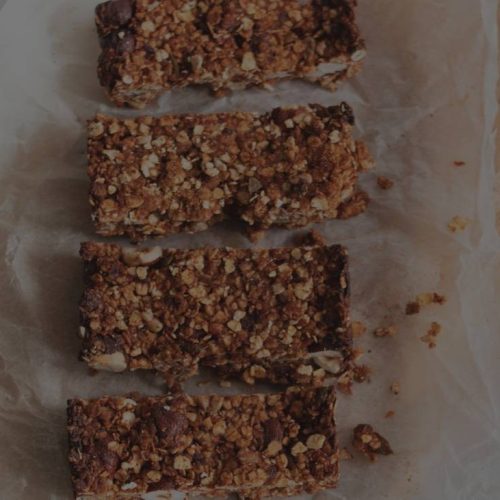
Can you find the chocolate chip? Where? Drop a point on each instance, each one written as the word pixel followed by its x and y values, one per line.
pixel 108 458
pixel 115 12
pixel 170 424
pixel 121 42
pixel 273 430
pixel 111 344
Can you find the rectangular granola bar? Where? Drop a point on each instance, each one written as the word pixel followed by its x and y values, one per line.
pixel 279 315
pixel 149 47
pixel 289 167
pixel 255 445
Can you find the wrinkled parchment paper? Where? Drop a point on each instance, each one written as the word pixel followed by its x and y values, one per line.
pixel 425 99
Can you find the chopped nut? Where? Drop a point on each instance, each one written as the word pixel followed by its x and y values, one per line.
pixel 96 129
pixel 182 463
pixel 115 362
pixel 248 63
pixel 235 326
pixel 146 257
pixel 315 441
pixel 273 448
pixel 148 27
pixel 298 449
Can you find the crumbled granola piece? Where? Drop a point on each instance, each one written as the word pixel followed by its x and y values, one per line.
pixel 388 331
pixel 395 388
pixel 355 206
pixel 458 163
pixel 390 414
pixel 430 338
pixel 361 373
pixel 384 183
pixel 458 224
pixel 369 442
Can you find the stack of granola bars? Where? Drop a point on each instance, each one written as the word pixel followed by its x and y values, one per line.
pixel 278 316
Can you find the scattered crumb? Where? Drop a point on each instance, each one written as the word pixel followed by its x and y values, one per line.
pixel 430 338
pixel 412 308
pixel 202 383
pixel 389 331
pixel 344 382
pixel 312 238
pixel 362 373
pixel 458 163
pixel 384 183
pixel 356 205
pixel 369 442
pixel 395 388
pixel 255 235
pixel 358 329
pixel 458 223
pixel 390 414
pixel 424 299
pixel 345 454
pixel 225 383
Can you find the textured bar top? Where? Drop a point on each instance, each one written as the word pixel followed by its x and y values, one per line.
pixel 150 46
pixel 280 315
pixel 255 445
pixel 291 167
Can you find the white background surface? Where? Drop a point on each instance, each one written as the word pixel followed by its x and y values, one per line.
pixel 425 99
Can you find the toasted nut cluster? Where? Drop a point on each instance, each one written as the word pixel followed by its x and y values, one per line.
pixel 369 442
pixel 150 46
pixel 280 315
pixel 155 176
pixel 266 445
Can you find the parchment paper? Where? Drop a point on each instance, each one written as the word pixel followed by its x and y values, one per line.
pixel 425 99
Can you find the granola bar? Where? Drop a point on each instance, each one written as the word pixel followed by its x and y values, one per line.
pixel 280 315
pixel 255 445
pixel 154 176
pixel 149 47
